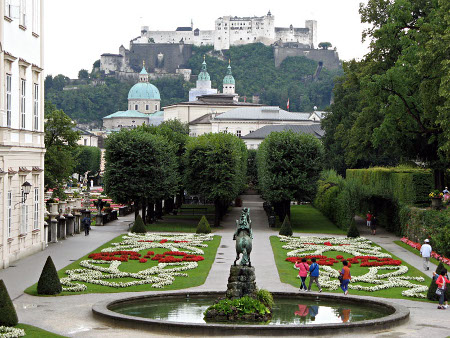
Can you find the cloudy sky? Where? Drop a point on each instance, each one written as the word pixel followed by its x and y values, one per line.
pixel 78 32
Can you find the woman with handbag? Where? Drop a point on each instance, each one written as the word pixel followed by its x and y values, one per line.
pixel 345 277
pixel 303 272
pixel 442 282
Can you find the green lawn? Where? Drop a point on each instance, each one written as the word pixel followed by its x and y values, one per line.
pixel 306 218
pixel 35 332
pixel 288 274
pixel 416 252
pixel 172 227
pixel 196 276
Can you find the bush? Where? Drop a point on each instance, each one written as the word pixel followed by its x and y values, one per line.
pixel 353 231
pixel 138 226
pixel 8 315
pixel 245 305
pixel 49 283
pixel 203 226
pixel 286 228
pixel 265 297
pixel 431 295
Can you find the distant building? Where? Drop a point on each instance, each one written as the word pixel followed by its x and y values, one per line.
pixel 86 138
pixel 203 85
pixel 22 149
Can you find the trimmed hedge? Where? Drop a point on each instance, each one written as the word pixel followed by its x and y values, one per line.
pixel 286 228
pixel 203 226
pixel 8 315
pixel 353 231
pixel 49 283
pixel 139 226
pixel 431 294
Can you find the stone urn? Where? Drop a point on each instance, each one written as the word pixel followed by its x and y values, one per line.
pixel 78 202
pixel 54 208
pixel 436 203
pixel 62 206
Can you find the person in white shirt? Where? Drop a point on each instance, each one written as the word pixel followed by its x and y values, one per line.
pixel 425 251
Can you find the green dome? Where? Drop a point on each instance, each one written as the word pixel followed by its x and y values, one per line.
pixel 204 76
pixel 229 79
pixel 144 90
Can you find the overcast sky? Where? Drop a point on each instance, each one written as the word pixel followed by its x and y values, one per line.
pixel 78 32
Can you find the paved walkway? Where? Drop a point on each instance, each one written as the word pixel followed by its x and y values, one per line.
pixel 72 315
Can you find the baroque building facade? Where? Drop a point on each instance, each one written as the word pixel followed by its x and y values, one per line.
pixel 22 149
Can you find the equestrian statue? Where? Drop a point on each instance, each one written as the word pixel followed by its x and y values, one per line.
pixel 243 237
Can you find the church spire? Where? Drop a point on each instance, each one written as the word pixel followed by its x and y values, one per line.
pixel 143 75
pixel 204 76
pixel 228 81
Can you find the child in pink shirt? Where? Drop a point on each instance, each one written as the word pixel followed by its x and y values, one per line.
pixel 303 272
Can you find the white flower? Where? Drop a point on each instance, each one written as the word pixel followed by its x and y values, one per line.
pixel 11 332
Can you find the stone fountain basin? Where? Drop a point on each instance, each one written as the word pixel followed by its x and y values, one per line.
pixel 398 315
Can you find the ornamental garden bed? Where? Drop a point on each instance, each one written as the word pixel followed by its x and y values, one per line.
pixel 416 250
pixel 133 262
pixel 375 271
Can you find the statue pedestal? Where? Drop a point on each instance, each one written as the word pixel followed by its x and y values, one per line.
pixel 241 282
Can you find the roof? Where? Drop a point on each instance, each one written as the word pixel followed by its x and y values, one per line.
pixel 215 100
pixel 184 29
pixel 229 79
pixel 205 119
pixel 128 113
pixel 82 131
pixel 262 133
pixel 144 90
pixel 109 54
pixel 158 113
pixel 262 113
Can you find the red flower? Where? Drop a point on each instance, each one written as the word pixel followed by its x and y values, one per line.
pixel 142 260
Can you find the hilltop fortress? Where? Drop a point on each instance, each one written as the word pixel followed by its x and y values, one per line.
pixel 166 53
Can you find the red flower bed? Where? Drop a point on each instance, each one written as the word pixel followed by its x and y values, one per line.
pixel 142 260
pixel 435 255
pixel 364 260
pixel 166 257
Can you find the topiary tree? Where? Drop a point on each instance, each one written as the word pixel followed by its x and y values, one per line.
pixel 325 45
pixel 203 226
pixel 286 229
pixel 139 226
pixel 353 231
pixel 431 295
pixel 8 315
pixel 49 283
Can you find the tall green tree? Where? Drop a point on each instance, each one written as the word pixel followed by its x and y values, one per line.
pixel 87 159
pixel 60 142
pixel 215 168
pixel 139 166
pixel 289 166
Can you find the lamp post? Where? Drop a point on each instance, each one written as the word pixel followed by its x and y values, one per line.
pixel 26 187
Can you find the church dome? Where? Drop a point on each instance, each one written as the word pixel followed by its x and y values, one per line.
pixel 144 90
pixel 203 76
pixel 229 79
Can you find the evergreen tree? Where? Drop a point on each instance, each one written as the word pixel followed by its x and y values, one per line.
pixel 49 283
pixel 286 229
pixel 139 226
pixel 203 226
pixel 431 295
pixel 353 231
pixel 8 315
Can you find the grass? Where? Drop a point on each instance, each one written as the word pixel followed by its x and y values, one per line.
pixel 289 275
pixel 33 331
pixel 172 227
pixel 306 218
pixel 417 253
pixel 196 276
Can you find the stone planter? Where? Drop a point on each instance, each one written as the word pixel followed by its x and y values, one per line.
pixel 62 206
pixel 78 202
pixel 436 203
pixel 54 208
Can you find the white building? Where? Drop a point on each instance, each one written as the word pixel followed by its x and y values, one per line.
pixel 22 147
pixel 203 84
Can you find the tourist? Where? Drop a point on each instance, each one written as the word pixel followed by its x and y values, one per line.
pixel 442 282
pixel 345 273
pixel 87 225
pixel 314 274
pixel 373 225
pixel 425 251
pixel 369 219
pixel 303 272
pixel 446 191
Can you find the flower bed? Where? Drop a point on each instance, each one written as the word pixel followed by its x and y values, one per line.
pixel 358 251
pixel 417 246
pixel 181 252
pixel 11 332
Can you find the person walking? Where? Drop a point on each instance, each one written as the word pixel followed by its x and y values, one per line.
pixel 314 274
pixel 303 272
pixel 442 282
pixel 346 276
pixel 87 225
pixel 369 219
pixel 425 251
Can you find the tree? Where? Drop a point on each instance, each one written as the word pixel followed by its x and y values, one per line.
pixel 8 315
pixel 60 142
pixel 203 226
pixel 49 282
pixel 325 45
pixel 83 74
pixel 139 166
pixel 138 226
pixel 87 159
pixel 215 168
pixel 289 165
pixel 286 229
pixel 431 294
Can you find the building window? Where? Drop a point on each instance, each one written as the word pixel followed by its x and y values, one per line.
pixel 156 107
pixel 36 209
pixel 8 100
pixel 36 107
pixel 23 87
pixel 147 107
pixel 85 142
pixel 23 13
pixel 36 16
pixel 9 215
pixel 8 8
pixel 136 107
pixel 24 218
pixel 238 133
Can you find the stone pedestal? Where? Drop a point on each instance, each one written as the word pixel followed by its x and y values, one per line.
pixel 70 229
pixel 54 230
pixel 99 219
pixel 77 222
pixel 62 227
pixel 241 282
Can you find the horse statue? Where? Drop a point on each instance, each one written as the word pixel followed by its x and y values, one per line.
pixel 243 237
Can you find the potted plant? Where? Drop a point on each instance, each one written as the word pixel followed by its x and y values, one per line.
pixel 436 199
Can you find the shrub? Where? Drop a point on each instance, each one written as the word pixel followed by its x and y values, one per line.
pixel 265 297
pixel 139 226
pixel 203 226
pixel 431 295
pixel 244 305
pixel 49 283
pixel 8 315
pixel 286 229
pixel 353 231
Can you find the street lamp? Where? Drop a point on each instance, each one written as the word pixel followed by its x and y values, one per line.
pixel 26 187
